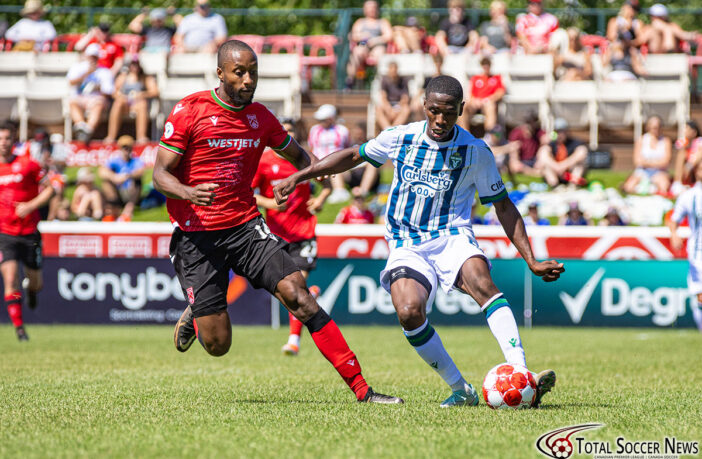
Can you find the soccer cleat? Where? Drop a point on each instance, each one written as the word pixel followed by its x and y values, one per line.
pixel 461 398
pixel 184 333
pixel 21 333
pixel 544 383
pixel 290 349
pixel 374 397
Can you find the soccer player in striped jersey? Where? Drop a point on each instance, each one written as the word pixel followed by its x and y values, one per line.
pixel 438 168
pixel 689 205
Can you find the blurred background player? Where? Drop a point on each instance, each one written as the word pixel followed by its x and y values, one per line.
pixel 689 205
pixel 294 221
pixel 20 241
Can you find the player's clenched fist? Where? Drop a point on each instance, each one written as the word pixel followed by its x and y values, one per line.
pixel 549 270
pixel 284 189
pixel 203 194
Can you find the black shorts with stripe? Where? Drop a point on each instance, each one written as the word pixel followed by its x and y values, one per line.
pixel 25 249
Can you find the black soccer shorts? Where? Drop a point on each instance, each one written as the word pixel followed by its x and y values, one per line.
pixel 26 249
pixel 303 253
pixel 203 259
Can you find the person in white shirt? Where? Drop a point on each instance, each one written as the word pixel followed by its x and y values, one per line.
pixel 326 137
pixel 90 87
pixel 689 205
pixel 31 32
pixel 200 32
pixel 439 166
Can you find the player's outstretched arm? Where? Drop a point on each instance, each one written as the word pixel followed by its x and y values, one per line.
pixel 513 225
pixel 335 163
pixel 202 194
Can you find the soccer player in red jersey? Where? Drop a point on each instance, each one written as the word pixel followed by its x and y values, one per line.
pixel 210 149
pixel 20 241
pixel 293 221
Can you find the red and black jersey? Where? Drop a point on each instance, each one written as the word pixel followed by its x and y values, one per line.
pixel 295 223
pixel 19 182
pixel 221 144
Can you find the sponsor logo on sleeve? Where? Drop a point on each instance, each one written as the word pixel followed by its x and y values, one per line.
pixel 168 130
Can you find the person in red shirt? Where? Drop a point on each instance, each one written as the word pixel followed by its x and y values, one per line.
pixel 20 241
pixel 294 221
pixel 111 54
pixel 208 155
pixel 486 91
pixel 356 212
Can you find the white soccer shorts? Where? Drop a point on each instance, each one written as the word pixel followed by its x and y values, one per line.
pixel 694 277
pixel 439 260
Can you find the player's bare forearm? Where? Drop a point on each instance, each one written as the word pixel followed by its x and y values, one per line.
pixel 513 225
pixel 164 181
pixel 297 156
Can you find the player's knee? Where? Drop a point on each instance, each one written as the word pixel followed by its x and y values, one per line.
pixel 410 314
pixel 218 346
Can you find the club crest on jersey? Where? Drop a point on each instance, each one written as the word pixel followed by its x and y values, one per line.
pixel 253 121
pixel 455 160
pixel 214 120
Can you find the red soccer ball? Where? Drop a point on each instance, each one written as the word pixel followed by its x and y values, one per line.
pixel 509 386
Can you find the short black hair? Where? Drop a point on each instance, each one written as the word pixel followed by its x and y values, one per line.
pixel 444 84
pixel 9 126
pixel 230 46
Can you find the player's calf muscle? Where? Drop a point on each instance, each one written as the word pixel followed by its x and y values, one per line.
pixel 297 299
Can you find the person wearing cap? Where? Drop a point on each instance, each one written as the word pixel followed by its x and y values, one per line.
pixel 564 159
pixel 612 218
pixel 121 178
pixel 368 39
pixel 532 217
pixel 202 31
pixel 497 33
pixel 326 137
pixel 393 108
pixel 486 91
pixel 625 26
pixel 574 216
pixel 456 33
pixel 534 28
pixel 87 201
pixel 91 85
pixel 31 32
pixel 409 38
pixel 133 91
pixel 663 35
pixel 157 35
pixel 111 54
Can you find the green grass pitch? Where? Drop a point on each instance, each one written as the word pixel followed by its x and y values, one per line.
pixel 126 392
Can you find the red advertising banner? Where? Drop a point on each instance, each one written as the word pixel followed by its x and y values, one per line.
pixel 151 240
pixel 97 153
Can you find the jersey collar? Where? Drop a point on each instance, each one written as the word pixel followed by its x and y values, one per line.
pixel 225 105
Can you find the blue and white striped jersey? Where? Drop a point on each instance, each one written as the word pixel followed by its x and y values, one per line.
pixel 689 204
pixel 434 182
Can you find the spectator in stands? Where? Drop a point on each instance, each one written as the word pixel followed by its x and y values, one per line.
pixel 409 38
pixel 456 33
pixel 111 54
pixel 326 137
pixel 31 32
pixel 201 31
pixel 574 217
pixel 688 154
pixel 624 62
pixel 574 63
pixel 86 203
pixel 157 35
pixel 652 154
pixel 532 217
pixel 530 137
pixel 369 38
pixel 626 26
pixel 612 218
pixel 564 159
pixel 534 28
pixel 394 105
pixel 63 211
pixel 133 91
pixel 121 178
pixel 505 152
pixel 91 85
pixel 662 35
pixel 355 213
pixel 496 34
pixel 486 91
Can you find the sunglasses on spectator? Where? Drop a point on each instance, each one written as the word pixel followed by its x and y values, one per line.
pixel 204 6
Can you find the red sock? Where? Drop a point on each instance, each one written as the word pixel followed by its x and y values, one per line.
pixel 331 343
pixel 295 325
pixel 14 308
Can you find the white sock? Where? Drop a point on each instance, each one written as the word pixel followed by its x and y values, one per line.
pixel 294 340
pixel 504 328
pixel 428 345
pixel 697 315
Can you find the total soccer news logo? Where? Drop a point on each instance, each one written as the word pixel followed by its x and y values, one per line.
pixel 562 443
